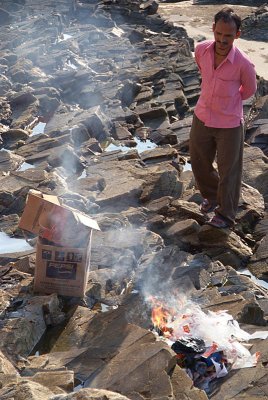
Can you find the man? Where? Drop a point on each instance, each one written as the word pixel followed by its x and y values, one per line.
pixel 228 77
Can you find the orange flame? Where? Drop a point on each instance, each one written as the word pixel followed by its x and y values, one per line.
pixel 161 316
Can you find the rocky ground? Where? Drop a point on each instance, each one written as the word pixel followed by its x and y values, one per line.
pixel 89 75
pixel 197 19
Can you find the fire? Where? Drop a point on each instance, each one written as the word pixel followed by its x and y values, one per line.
pixel 161 317
pixel 164 319
pixel 206 344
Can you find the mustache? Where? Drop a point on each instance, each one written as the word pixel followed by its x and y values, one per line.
pixel 222 43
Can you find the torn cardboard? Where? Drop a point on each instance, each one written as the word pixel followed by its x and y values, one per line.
pixel 63 247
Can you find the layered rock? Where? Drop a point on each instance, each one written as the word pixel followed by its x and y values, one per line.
pixel 76 78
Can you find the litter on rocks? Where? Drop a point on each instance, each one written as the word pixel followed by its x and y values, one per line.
pixel 207 345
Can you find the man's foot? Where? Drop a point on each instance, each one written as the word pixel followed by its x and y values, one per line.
pixel 207 207
pixel 219 222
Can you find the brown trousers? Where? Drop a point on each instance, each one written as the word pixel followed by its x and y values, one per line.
pixel 221 187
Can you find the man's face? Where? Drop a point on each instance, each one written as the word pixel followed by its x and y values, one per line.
pixel 225 33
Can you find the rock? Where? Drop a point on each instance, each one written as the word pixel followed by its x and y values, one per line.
pixel 161 184
pixel 25 390
pixel 182 386
pixel 197 270
pixel 12 137
pixel 121 132
pixel 9 162
pixel 150 7
pixel 122 337
pixel 93 120
pixel 183 228
pixel 122 187
pixel 127 239
pixel 64 156
pixel 56 381
pixel 158 154
pixel 255 169
pixel 258 263
pixel 129 375
pixel 5 17
pixel 241 380
pixel 187 209
pixel 19 335
pixel 163 136
pixel 9 223
pixel 91 394
pixel 4 296
pixel 252 314
pixel 24 106
pixel 6 367
pixel 257 21
pixel 212 238
pixel 37 145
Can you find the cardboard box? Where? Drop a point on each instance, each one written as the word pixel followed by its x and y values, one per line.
pixel 61 270
pixel 63 246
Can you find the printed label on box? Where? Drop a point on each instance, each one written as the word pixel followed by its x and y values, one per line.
pixel 61 270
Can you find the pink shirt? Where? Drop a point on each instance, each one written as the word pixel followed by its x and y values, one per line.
pixel 223 88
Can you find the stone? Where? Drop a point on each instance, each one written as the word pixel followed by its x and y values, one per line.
pixel 215 240
pixel 91 394
pixel 25 390
pixel 9 224
pixel 241 381
pixel 186 227
pixel 130 374
pixel 20 335
pixel 158 154
pixel 93 120
pixel 258 263
pixel 5 17
pixel 161 184
pixel 56 381
pixel 6 367
pixel 9 162
pixel 12 136
pixel 255 169
pixel 182 386
pixel 188 209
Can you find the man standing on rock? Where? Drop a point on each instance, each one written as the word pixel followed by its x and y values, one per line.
pixel 228 77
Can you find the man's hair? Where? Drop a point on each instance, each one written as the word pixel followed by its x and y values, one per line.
pixel 227 14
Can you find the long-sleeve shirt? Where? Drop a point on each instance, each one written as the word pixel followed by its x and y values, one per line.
pixel 224 88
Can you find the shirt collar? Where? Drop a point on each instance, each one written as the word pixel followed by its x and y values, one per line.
pixel 230 56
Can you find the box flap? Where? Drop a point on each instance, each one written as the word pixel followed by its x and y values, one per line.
pixel 87 221
pixel 45 216
pixel 51 199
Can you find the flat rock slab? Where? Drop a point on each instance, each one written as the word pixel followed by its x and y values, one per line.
pixel 136 240
pixel 25 390
pixel 91 394
pixel 258 263
pixel 215 240
pixel 20 332
pixel 111 354
pixel 243 381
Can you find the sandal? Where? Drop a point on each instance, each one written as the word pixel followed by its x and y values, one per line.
pixel 207 207
pixel 219 222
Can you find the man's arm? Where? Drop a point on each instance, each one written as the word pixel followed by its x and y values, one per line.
pixel 248 81
pixel 197 56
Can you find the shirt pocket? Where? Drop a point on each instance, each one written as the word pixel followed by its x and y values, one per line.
pixel 226 87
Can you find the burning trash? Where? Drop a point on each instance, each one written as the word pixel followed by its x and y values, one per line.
pixel 63 246
pixel 208 345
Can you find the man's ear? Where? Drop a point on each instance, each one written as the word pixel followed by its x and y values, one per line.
pixel 238 34
pixel 213 27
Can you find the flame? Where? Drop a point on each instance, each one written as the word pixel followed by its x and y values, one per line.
pixel 161 318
